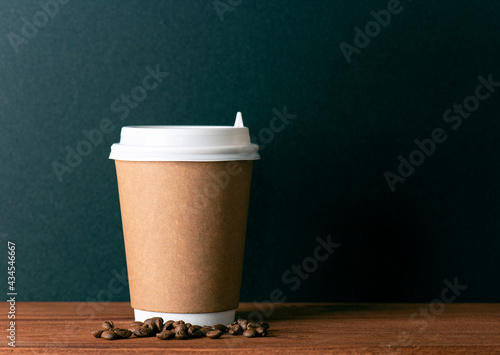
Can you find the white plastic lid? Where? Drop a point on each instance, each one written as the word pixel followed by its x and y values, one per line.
pixel 185 143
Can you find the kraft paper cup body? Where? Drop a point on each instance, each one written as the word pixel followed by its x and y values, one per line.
pixel 184 221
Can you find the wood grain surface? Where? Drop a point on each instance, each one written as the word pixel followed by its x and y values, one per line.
pixel 45 327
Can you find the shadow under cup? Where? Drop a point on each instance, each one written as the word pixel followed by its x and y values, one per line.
pixel 184 225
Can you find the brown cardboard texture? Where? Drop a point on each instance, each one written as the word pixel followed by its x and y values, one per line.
pixel 184 227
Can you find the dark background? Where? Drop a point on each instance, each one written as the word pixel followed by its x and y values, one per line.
pixel 322 175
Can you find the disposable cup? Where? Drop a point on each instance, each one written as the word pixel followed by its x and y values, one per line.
pixel 184 193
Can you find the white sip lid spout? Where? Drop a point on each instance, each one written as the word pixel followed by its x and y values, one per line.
pixel 185 143
pixel 239 121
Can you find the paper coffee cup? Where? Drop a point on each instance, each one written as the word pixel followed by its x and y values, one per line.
pixel 184 193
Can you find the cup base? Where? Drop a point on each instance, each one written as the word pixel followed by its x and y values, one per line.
pixel 210 319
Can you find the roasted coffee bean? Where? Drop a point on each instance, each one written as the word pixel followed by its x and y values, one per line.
pixel 261 331
pixel 231 332
pixel 122 333
pixel 265 325
pixel 244 324
pixel 150 323
pixel 204 330
pixel 182 335
pixel 214 334
pixel 169 334
pixel 252 325
pixel 143 332
pixel 168 325
pixel 193 329
pixel 108 335
pixel 97 333
pixel 175 324
pixel 134 327
pixel 237 329
pixel 180 327
pixel 195 333
pixel 250 333
pixel 158 323
pixel 165 335
pixel 108 325
pixel 189 325
pixel 221 327
pixel 133 324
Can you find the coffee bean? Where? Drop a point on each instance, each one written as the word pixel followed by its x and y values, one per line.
pixel 220 327
pixel 237 329
pixel 195 333
pixel 193 329
pixel 134 327
pixel 168 325
pixel 175 324
pixel 261 331
pixel 108 335
pixel 243 324
pixel 188 325
pixel 108 325
pixel 214 334
pixel 231 332
pixel 158 323
pixel 150 323
pixel 122 333
pixel 250 333
pixel 165 335
pixel 204 330
pixel 97 333
pixel 143 331
pixel 265 325
pixel 182 335
pixel 252 325
pixel 133 324
pixel 180 327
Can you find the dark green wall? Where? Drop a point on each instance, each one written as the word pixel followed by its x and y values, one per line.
pixel 323 174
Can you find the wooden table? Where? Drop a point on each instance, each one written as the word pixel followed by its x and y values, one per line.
pixel 295 329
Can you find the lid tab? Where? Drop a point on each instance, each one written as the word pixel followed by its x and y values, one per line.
pixel 239 121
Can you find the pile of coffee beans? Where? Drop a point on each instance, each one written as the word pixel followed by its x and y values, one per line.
pixel 180 330
pixel 248 329
pixel 109 332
